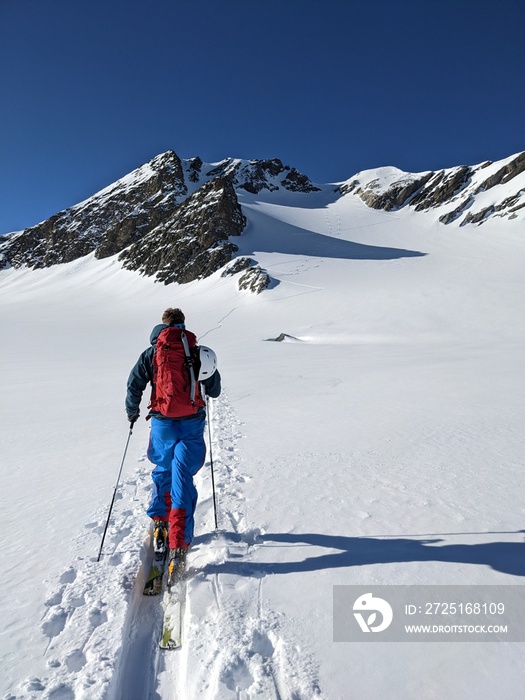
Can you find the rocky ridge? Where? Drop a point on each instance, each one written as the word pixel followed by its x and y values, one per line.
pixel 170 218
pixel 107 222
pixel 177 220
pixel 257 175
pixel 468 195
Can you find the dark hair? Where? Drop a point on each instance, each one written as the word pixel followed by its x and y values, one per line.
pixel 171 316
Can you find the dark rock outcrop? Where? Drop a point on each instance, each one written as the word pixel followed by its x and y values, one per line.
pixel 238 265
pixel 504 174
pixel 297 182
pixel 193 243
pixel 255 279
pixel 194 169
pixel 394 197
pixel 256 175
pixel 441 187
pixel 457 212
pixel 283 337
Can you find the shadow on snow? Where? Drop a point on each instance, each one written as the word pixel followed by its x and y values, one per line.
pixel 287 238
pixel 506 557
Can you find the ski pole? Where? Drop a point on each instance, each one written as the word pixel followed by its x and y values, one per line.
pixel 115 491
pixel 211 467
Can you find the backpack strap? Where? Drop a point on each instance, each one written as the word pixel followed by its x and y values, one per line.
pixel 189 362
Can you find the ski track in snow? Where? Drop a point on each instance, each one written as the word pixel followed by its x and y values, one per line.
pixel 234 647
pixel 89 608
pixel 102 633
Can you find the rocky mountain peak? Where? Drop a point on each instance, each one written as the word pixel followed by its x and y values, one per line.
pixel 169 218
pixel 105 223
pixel 256 175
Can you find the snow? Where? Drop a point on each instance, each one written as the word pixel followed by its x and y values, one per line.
pixel 383 178
pixel 383 446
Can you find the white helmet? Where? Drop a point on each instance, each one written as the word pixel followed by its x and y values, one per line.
pixel 208 360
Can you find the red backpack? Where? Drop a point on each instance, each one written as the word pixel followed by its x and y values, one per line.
pixel 176 392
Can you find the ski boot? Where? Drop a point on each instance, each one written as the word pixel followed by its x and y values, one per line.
pixel 176 566
pixel 160 539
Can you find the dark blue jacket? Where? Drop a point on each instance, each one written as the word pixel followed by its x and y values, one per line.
pixel 142 374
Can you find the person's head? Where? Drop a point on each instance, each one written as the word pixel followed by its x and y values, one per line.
pixel 171 316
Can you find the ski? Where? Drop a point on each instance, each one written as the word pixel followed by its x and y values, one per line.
pixel 172 626
pixel 174 600
pixel 153 585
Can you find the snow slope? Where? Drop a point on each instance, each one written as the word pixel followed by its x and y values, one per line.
pixel 381 444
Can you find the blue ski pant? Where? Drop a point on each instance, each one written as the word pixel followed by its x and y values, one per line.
pixel 178 450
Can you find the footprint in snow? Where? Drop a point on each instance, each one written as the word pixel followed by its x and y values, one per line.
pixel 55 623
pixel 97 617
pixel 68 576
pixel 60 692
pixel 55 598
pixel 33 684
pixel 75 661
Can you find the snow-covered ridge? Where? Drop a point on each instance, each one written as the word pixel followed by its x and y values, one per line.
pixel 464 194
pixel 169 200
pixel 256 175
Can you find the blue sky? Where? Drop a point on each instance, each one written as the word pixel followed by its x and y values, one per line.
pixel 91 89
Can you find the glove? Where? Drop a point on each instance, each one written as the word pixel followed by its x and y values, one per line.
pixel 133 417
